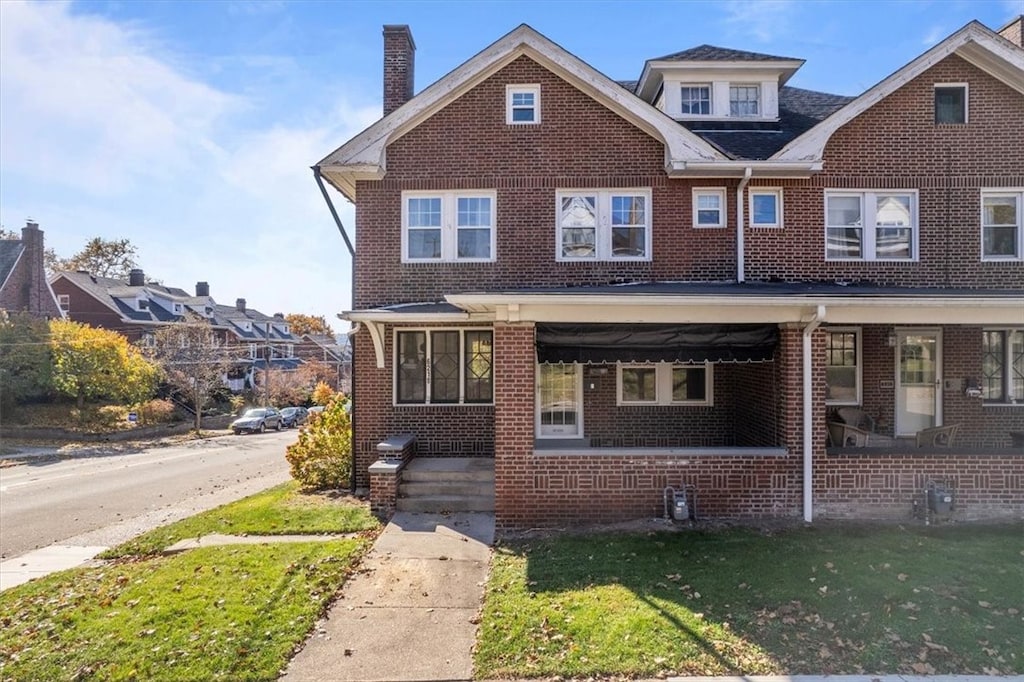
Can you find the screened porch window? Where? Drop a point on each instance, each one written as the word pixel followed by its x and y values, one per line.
pixel 663 383
pixel 1003 366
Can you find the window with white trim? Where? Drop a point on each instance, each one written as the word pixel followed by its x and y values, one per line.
pixel 743 100
pixel 1002 364
pixel 1002 224
pixel 951 103
pixel 663 383
pixel 444 366
pixel 871 225
pixel 603 224
pixel 522 104
pixel 765 207
pixel 709 208
pixel 142 304
pixel 64 301
pixel 448 227
pixel 695 100
pixel 842 367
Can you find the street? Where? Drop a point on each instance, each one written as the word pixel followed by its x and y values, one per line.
pixel 107 499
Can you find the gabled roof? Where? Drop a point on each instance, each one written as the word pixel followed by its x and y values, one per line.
pixel 975 43
pixel 10 252
pixel 364 156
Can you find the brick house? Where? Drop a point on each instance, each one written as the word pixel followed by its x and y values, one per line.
pixel 612 288
pixel 23 286
pixel 137 308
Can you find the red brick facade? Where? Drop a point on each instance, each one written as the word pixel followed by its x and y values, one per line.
pixel 24 287
pixel 582 143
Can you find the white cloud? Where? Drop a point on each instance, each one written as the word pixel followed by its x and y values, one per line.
pixel 763 20
pixel 86 103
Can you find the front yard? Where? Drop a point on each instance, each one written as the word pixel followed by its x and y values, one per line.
pixel 832 600
pixel 218 613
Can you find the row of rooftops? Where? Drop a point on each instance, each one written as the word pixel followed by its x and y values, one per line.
pixel 140 301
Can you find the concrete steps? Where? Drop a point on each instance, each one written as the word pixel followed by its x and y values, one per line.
pixel 447 484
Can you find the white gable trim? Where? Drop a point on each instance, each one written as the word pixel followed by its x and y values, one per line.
pixel 975 43
pixel 364 156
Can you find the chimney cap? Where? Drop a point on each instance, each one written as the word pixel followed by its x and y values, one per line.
pixel 394 29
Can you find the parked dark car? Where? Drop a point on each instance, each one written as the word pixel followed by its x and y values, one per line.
pixel 257 419
pixel 293 416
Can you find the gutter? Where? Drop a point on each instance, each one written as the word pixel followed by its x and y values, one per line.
pixel 352 352
pixel 740 259
pixel 808 472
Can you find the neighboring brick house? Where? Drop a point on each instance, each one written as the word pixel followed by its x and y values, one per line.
pixel 138 308
pixel 611 288
pixel 23 286
pixel 326 349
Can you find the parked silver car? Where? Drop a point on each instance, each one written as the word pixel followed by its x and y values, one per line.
pixel 257 419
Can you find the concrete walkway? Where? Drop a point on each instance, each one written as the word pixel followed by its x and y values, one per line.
pixel 410 613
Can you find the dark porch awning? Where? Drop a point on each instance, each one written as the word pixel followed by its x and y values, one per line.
pixel 687 343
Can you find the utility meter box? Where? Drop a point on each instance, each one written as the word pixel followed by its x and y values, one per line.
pixel 940 498
pixel 680 506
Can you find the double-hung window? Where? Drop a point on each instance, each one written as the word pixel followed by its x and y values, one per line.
pixel 604 225
pixel 871 225
pixel 448 227
pixel 664 383
pixel 695 100
pixel 1002 366
pixel 1002 224
pixel 709 208
pixel 522 105
pixel 842 367
pixel 743 100
pixel 444 366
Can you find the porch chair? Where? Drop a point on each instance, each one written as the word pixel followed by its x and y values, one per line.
pixel 938 436
pixel 857 417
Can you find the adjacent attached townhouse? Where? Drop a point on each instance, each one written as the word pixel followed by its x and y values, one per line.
pixel 138 308
pixel 784 303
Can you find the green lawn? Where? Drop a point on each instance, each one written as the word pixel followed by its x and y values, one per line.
pixel 218 613
pixel 281 510
pixel 825 599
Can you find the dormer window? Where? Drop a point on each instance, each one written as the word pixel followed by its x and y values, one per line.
pixel 247 326
pixel 951 103
pixel 177 308
pixel 142 304
pixel 522 104
pixel 743 100
pixel 695 100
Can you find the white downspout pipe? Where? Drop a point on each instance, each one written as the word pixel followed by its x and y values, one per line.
pixel 816 320
pixel 740 258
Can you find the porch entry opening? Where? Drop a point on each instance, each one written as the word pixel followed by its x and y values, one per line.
pixel 918 375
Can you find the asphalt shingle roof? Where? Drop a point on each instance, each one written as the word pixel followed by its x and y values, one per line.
pixel 10 250
pixel 711 53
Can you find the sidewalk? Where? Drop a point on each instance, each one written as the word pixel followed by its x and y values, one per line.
pixel 410 613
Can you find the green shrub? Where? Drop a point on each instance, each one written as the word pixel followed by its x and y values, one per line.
pixel 321 458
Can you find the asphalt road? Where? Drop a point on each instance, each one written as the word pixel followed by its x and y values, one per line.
pixel 105 499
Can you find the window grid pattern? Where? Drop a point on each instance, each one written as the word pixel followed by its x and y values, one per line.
pixel 444 366
pixel 1002 364
pixel 605 225
pixel 695 100
pixel 890 217
pixel 449 227
pixel 743 100
pixel 841 368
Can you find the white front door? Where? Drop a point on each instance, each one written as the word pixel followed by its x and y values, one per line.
pixel 918 380
pixel 559 401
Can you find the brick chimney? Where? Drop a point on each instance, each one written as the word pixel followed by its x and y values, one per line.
pixel 240 305
pixel 28 284
pixel 136 278
pixel 202 288
pixel 399 59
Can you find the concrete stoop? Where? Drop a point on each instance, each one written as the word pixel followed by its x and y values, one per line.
pixel 447 484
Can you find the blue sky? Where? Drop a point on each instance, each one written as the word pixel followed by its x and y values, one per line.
pixel 190 127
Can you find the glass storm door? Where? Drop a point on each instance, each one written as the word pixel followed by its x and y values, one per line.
pixel 559 401
pixel 918 374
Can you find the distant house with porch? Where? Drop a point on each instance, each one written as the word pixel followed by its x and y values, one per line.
pixel 691 281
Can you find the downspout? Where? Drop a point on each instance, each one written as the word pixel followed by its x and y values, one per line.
pixel 740 258
pixel 352 352
pixel 819 317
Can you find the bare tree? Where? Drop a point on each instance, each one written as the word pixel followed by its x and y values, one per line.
pixel 194 360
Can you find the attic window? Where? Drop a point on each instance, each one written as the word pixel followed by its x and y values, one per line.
pixel 522 104
pixel 743 100
pixel 142 304
pixel 64 301
pixel 695 100
pixel 951 103
pixel 177 308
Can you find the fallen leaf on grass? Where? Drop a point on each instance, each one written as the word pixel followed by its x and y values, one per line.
pixel 902 577
pixel 984 604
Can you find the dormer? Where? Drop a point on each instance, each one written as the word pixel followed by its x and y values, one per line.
pixel 708 83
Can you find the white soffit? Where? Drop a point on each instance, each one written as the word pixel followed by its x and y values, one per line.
pixel 364 156
pixel 978 45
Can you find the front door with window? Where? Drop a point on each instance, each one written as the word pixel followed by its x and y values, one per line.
pixel 918 377
pixel 559 401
